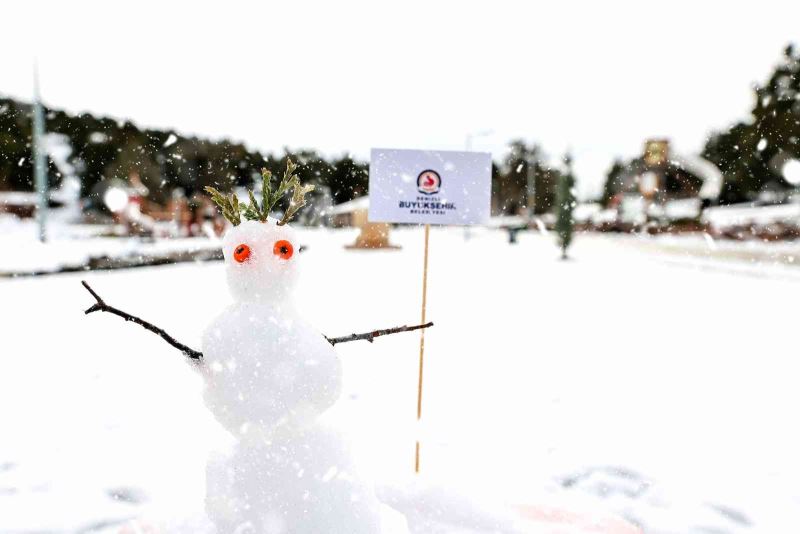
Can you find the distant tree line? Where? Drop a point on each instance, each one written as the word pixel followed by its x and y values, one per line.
pixel 104 148
pixel 751 154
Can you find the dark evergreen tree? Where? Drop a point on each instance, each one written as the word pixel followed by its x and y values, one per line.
pixel 751 153
pixel 348 179
pixel 565 204
pixel 613 181
pixel 510 180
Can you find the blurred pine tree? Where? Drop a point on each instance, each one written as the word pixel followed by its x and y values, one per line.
pixel 565 204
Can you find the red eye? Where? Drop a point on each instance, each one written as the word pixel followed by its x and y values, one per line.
pixel 283 248
pixel 241 253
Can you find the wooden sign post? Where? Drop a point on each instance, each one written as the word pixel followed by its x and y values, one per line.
pixel 422 339
pixel 429 187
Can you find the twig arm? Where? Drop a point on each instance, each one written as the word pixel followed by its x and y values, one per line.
pixel 100 305
pixel 370 336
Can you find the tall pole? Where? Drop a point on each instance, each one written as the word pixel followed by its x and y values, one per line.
pixel 531 190
pixel 39 157
pixel 468 147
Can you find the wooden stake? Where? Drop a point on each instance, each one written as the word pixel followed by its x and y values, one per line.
pixel 422 340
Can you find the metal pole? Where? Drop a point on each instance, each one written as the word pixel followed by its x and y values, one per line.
pixel 531 187
pixel 468 147
pixel 39 157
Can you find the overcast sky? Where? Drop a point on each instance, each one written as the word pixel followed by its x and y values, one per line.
pixel 345 76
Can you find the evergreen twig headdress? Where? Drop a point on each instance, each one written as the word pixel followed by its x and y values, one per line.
pixel 233 211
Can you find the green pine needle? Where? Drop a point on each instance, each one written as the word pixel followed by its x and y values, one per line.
pixel 298 201
pixel 228 205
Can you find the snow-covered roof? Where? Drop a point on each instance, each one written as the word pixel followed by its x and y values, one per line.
pixel 710 176
pixel 360 203
pixel 743 214
pixel 69 191
pixel 502 221
pixel 704 169
pixel 683 208
pixel 586 211
pixel 18 198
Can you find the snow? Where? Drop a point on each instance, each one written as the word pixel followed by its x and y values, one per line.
pixel 791 171
pixel 58 148
pixel 504 221
pixel 685 208
pixel 360 203
pixel 636 209
pixel 745 214
pixel 632 380
pixel 116 199
pixel 98 137
pixel 71 246
pixel 586 211
pixel 18 198
pixel 171 140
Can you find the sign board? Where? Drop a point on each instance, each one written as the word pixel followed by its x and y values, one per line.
pixel 429 187
pixel 656 152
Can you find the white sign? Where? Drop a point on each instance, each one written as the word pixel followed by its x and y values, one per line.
pixel 429 187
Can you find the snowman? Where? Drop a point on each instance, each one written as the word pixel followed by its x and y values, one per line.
pixel 269 376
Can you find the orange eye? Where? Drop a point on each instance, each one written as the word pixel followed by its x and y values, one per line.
pixel 283 248
pixel 241 253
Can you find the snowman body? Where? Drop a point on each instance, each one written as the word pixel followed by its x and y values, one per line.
pixel 266 368
pixel 269 376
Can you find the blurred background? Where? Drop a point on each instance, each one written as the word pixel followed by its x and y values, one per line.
pixel 158 101
pixel 656 144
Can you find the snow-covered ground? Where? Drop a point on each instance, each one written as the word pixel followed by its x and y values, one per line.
pixel 73 245
pixel 630 380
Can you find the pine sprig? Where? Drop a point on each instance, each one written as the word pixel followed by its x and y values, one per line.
pixel 229 205
pixel 234 212
pixel 289 180
pixel 298 201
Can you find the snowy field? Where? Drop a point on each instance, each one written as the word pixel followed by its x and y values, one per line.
pixel 632 381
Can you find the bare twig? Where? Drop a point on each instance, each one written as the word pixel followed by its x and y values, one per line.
pixel 100 305
pixel 370 336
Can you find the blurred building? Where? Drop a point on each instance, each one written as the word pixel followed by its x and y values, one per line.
pixel 355 213
pixel 352 213
pixel 663 186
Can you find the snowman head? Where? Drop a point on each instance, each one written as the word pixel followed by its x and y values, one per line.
pixel 261 252
pixel 261 261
